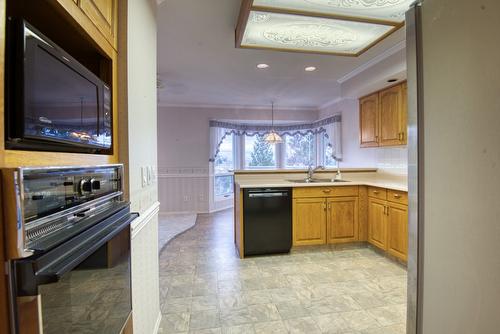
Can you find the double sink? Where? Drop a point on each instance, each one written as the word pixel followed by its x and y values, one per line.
pixel 314 180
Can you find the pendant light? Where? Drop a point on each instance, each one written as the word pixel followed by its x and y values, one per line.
pixel 272 137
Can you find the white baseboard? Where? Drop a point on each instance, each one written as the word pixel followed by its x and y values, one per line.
pixel 157 325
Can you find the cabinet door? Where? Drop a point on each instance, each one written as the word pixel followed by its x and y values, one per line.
pixel 103 14
pixel 342 220
pixel 309 221
pixel 397 230
pixel 369 121
pixel 391 116
pixel 377 223
pixel 404 113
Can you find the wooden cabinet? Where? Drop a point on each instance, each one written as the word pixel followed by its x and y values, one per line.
pixel 342 219
pixel 325 215
pixel 391 112
pixel 388 222
pixel 309 217
pixel 377 223
pixel 383 117
pixel 369 121
pixel 103 14
pixel 397 230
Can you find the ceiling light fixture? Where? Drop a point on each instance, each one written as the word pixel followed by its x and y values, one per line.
pixel 262 66
pixel 272 137
pixel 346 28
pixel 310 69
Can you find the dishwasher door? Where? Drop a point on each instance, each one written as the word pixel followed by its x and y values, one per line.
pixel 267 220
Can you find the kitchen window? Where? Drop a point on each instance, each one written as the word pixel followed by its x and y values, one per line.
pixel 223 168
pixel 300 150
pixel 259 154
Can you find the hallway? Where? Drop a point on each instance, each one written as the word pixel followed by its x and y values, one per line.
pixel 206 288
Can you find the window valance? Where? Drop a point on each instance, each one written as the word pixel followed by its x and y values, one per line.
pixel 330 126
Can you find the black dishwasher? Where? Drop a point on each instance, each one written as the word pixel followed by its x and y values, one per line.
pixel 267 220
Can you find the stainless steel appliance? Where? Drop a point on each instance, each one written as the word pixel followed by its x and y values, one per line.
pixel 53 102
pixel 68 243
pixel 267 214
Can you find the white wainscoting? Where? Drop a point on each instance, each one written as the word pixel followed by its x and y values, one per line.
pixel 184 189
pixel 145 271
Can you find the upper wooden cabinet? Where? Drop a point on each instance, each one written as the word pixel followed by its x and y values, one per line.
pixel 369 121
pixel 103 13
pixel 383 117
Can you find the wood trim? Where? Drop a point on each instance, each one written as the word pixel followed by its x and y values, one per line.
pixel 397 83
pixel 128 327
pixel 29 315
pixel 238 221
pixel 381 38
pixel 363 213
pixel 298 51
pixel 245 9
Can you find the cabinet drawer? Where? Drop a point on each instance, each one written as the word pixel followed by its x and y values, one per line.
pixel 396 196
pixel 338 191
pixel 379 193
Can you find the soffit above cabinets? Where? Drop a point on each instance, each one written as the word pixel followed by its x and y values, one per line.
pixel 336 27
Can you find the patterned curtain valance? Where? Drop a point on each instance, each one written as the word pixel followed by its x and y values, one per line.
pixel 330 126
pixel 252 129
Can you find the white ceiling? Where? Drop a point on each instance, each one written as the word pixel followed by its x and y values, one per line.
pixel 198 63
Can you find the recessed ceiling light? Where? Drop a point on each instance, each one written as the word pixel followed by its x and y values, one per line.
pixel 262 66
pixel 310 69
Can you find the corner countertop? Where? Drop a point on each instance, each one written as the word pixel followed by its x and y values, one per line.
pixel 354 178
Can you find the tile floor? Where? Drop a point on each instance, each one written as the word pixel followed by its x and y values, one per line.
pixel 171 225
pixel 206 288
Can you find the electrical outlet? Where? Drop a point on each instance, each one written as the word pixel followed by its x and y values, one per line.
pixel 186 198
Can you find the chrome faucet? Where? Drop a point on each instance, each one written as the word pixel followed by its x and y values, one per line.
pixel 311 170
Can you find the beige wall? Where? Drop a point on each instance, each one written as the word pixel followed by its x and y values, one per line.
pixel 183 142
pixel 138 145
pixel 461 69
pixel 392 159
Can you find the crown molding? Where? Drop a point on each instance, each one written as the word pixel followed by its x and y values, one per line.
pixel 375 60
pixel 234 106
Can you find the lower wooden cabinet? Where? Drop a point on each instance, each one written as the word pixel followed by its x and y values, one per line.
pixel 309 216
pixel 397 230
pixel 317 221
pixel 342 219
pixel 377 223
pixel 388 227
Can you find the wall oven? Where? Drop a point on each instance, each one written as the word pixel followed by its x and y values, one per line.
pixel 68 244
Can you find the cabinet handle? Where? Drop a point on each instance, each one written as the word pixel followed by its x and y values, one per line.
pixel 330 206
pixel 387 210
pixel 376 192
pixel 327 191
pixel 384 209
pixel 324 207
pixel 397 196
pixel 376 139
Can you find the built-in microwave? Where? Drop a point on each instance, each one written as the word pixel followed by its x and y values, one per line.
pixel 53 102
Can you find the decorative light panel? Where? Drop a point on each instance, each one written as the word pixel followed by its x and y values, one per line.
pixel 338 27
pixel 386 10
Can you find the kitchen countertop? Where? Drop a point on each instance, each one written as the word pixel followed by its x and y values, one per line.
pixel 375 179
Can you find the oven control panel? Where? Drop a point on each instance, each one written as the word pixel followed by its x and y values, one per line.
pixel 42 202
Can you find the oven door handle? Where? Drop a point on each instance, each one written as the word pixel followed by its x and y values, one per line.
pixel 55 270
